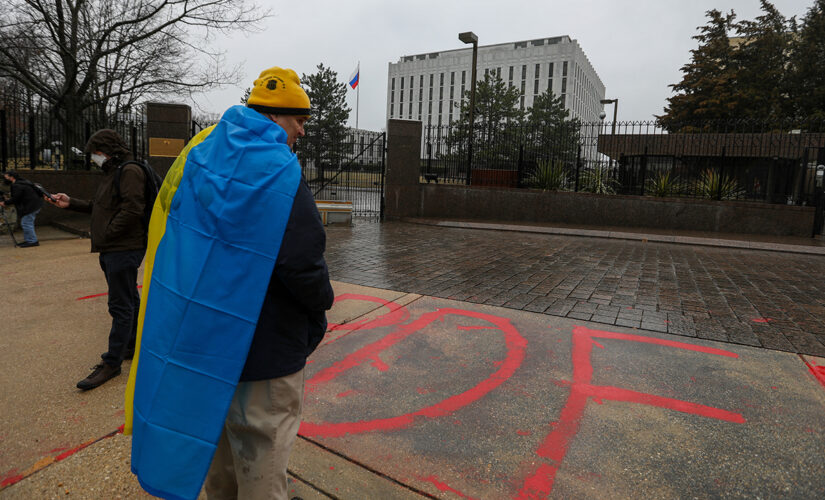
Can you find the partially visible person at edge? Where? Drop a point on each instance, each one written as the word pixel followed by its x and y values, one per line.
pixel 119 235
pixel 257 433
pixel 28 204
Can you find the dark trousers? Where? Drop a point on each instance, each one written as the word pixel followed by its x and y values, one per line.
pixel 120 269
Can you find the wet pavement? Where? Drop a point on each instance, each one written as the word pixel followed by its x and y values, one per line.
pixel 458 400
pixel 415 396
pixel 758 298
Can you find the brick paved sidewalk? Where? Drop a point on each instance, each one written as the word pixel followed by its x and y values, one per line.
pixel 769 299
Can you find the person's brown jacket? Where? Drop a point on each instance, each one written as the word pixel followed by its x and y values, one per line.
pixel 117 222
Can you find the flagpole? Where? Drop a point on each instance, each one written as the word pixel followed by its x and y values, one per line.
pixel 358 95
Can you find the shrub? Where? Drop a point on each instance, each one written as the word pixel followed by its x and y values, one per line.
pixel 549 176
pixel 597 179
pixel 714 185
pixel 662 185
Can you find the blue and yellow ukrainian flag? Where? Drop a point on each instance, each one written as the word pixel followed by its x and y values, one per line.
pixel 214 236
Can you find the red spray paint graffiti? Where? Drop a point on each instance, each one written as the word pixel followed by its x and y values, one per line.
pixel 100 294
pixel 515 346
pixel 540 483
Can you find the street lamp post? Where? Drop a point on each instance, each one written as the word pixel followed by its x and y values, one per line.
pixel 615 103
pixel 470 37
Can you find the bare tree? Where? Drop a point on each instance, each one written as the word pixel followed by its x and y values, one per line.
pixel 109 55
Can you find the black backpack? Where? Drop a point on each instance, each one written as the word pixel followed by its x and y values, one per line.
pixel 151 188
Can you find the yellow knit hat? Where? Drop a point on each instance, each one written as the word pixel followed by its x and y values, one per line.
pixel 278 91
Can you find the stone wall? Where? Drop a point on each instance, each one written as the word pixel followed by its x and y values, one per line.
pixel 527 205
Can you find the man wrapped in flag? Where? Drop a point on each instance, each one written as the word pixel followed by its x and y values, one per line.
pixel 234 297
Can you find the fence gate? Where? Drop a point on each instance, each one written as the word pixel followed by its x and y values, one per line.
pixel 349 170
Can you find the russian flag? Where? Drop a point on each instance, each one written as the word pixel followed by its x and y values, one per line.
pixel 353 78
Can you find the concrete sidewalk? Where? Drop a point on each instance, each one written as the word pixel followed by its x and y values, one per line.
pixel 414 396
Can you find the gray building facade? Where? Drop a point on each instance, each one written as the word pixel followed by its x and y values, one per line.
pixel 429 87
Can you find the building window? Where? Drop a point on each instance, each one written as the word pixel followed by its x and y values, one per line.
pixel 411 92
pixel 498 72
pixel 510 80
pixel 550 77
pixel 536 81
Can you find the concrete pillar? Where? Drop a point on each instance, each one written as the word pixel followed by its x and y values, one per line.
pixel 168 128
pixel 402 190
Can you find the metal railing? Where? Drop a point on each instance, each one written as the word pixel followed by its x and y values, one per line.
pixel 36 139
pixel 719 160
pixel 349 167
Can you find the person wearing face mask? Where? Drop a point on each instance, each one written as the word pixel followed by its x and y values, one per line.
pixel 28 203
pixel 118 234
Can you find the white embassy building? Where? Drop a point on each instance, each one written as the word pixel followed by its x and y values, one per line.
pixel 426 87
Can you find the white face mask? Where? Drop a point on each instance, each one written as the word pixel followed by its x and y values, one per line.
pixel 98 159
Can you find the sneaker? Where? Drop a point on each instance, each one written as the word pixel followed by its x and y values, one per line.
pixel 27 244
pixel 99 375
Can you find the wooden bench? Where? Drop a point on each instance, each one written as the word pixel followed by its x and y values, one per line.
pixel 335 212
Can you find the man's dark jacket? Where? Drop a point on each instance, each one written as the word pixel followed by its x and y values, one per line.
pixel 24 198
pixel 117 221
pixel 293 321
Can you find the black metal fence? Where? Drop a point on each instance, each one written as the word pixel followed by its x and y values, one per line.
pixel 349 167
pixel 723 161
pixel 34 138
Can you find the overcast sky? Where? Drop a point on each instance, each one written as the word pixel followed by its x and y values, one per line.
pixel 636 46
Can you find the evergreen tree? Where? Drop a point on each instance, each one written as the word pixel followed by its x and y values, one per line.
pixel 547 110
pixel 326 130
pixel 807 77
pixel 497 118
pixel 707 90
pixel 551 132
pixel 762 88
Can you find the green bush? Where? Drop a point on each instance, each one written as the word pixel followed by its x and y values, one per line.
pixel 549 176
pixel 712 184
pixel 662 185
pixel 597 179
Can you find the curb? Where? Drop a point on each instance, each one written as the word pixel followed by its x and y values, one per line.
pixel 83 233
pixel 620 235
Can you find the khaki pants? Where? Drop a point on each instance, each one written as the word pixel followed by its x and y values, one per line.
pixel 253 452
